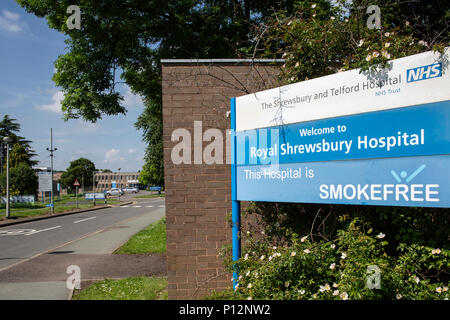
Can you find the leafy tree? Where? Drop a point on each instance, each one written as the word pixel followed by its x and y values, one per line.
pixel 19 155
pixel 22 180
pixel 8 128
pixel 150 175
pixel 80 169
pixel 123 42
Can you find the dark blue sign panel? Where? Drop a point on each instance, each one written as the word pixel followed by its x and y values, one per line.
pixel 409 181
pixel 413 131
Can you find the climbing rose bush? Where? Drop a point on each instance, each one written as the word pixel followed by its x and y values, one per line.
pixel 339 269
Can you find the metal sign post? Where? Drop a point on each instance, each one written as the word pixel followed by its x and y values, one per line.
pixel 235 205
pixel 76 184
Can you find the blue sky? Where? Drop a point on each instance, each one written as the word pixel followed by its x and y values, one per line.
pixel 28 49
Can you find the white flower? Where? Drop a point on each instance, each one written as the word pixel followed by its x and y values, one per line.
pixel 407 23
pixel 306 251
pixel 314 15
pixel 344 296
pixel 270 258
pixel 247 273
pixel 343 255
pixel 416 279
pixel 381 235
pixel 369 57
pixel 274 248
pixel 361 42
pixel 248 233
pixel 313 6
pixel 256 275
pixel 335 285
pixel 286 284
pixel 375 54
pixel 399 296
pixel 293 254
pixel 332 266
pixel 438 289
pixel 387 55
pixel 249 286
pixel 277 254
pixel 262 257
pixel 301 291
pixel 436 251
pixel 346 20
pixel 332 18
pixel 444 289
pixel 304 239
pixel 246 256
pixel 387 34
pixel 240 277
pixel 249 298
pixel 333 246
pixel 335 292
pixel 423 43
pixel 297 64
pixel 387 44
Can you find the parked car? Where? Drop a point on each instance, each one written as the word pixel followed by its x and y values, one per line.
pixel 131 190
pixel 114 192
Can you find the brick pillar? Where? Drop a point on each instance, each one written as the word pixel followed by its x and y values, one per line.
pixel 198 196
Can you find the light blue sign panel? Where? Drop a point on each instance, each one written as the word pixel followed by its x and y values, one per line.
pixel 97 195
pixel 414 131
pixel 410 181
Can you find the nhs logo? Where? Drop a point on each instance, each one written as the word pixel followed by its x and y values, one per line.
pixel 424 72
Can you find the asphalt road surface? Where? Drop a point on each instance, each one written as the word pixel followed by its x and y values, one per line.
pixel 22 241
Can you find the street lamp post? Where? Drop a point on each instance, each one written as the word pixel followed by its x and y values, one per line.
pixel 52 207
pixel 7 140
pixel 120 189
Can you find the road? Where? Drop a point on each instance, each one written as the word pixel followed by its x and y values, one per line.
pixel 21 242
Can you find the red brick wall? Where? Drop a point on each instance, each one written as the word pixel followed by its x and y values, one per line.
pixel 198 196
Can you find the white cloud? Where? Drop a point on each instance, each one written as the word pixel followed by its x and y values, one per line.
pixel 10 22
pixel 113 156
pixel 132 151
pixel 55 106
pixel 132 100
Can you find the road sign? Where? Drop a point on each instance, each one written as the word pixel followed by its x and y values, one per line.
pixel 45 181
pixel 76 183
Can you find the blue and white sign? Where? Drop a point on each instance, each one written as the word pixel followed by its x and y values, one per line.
pixel 349 138
pixel 94 196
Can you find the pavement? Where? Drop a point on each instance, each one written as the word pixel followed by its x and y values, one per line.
pixel 43 274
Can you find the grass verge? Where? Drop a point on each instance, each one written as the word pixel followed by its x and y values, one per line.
pixel 146 196
pixel 134 288
pixel 63 204
pixel 152 239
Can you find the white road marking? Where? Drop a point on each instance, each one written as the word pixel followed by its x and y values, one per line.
pixel 161 206
pixel 124 206
pixel 37 231
pixel 149 206
pixel 15 232
pixel 137 206
pixel 84 219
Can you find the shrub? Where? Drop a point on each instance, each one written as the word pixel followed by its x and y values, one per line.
pixel 340 268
